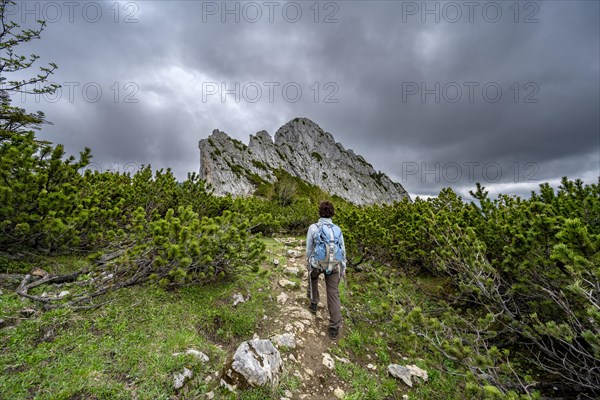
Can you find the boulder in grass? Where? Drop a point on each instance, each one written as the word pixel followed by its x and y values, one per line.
pixel 418 372
pixel 405 373
pixel 180 378
pixel 238 298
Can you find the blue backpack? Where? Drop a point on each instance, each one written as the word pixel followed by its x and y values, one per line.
pixel 328 254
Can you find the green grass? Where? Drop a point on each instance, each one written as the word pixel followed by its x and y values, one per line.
pixel 363 384
pixel 374 336
pixel 127 345
pixel 10 266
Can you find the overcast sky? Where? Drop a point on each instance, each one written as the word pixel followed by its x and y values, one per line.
pixel 434 94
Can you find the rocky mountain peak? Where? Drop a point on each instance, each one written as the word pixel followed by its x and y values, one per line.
pixel 300 148
pixel 302 131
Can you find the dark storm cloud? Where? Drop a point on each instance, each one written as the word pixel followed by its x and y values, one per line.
pixel 368 61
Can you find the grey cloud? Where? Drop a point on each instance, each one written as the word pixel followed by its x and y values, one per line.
pixel 371 54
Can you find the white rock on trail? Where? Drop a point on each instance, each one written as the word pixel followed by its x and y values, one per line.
pixel 339 393
pixel 292 271
pixel 328 361
pixel 285 340
pixel 303 314
pixel 62 294
pixel 258 362
pixel 282 298
pixel 276 262
pixel 299 326
pixel 284 283
pixel 294 254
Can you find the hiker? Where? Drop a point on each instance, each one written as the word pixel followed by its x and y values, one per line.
pixel 325 253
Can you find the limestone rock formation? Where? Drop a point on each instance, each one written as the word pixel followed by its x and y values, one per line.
pixel 255 363
pixel 302 149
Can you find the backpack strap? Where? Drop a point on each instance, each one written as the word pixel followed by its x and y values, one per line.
pixel 318 228
pixel 314 236
pixel 331 235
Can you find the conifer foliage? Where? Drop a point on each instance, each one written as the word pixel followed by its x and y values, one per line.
pixel 524 276
pixel 157 229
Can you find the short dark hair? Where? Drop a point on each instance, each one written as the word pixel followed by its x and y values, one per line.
pixel 326 209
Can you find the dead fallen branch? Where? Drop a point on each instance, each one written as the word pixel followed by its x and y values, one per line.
pixel 28 283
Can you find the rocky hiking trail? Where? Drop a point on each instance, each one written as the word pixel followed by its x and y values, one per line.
pixel 311 360
pixel 305 351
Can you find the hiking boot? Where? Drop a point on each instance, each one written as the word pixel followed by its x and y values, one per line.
pixel 313 308
pixel 333 333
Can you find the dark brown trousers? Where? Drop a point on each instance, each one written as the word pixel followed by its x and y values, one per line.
pixel 332 282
